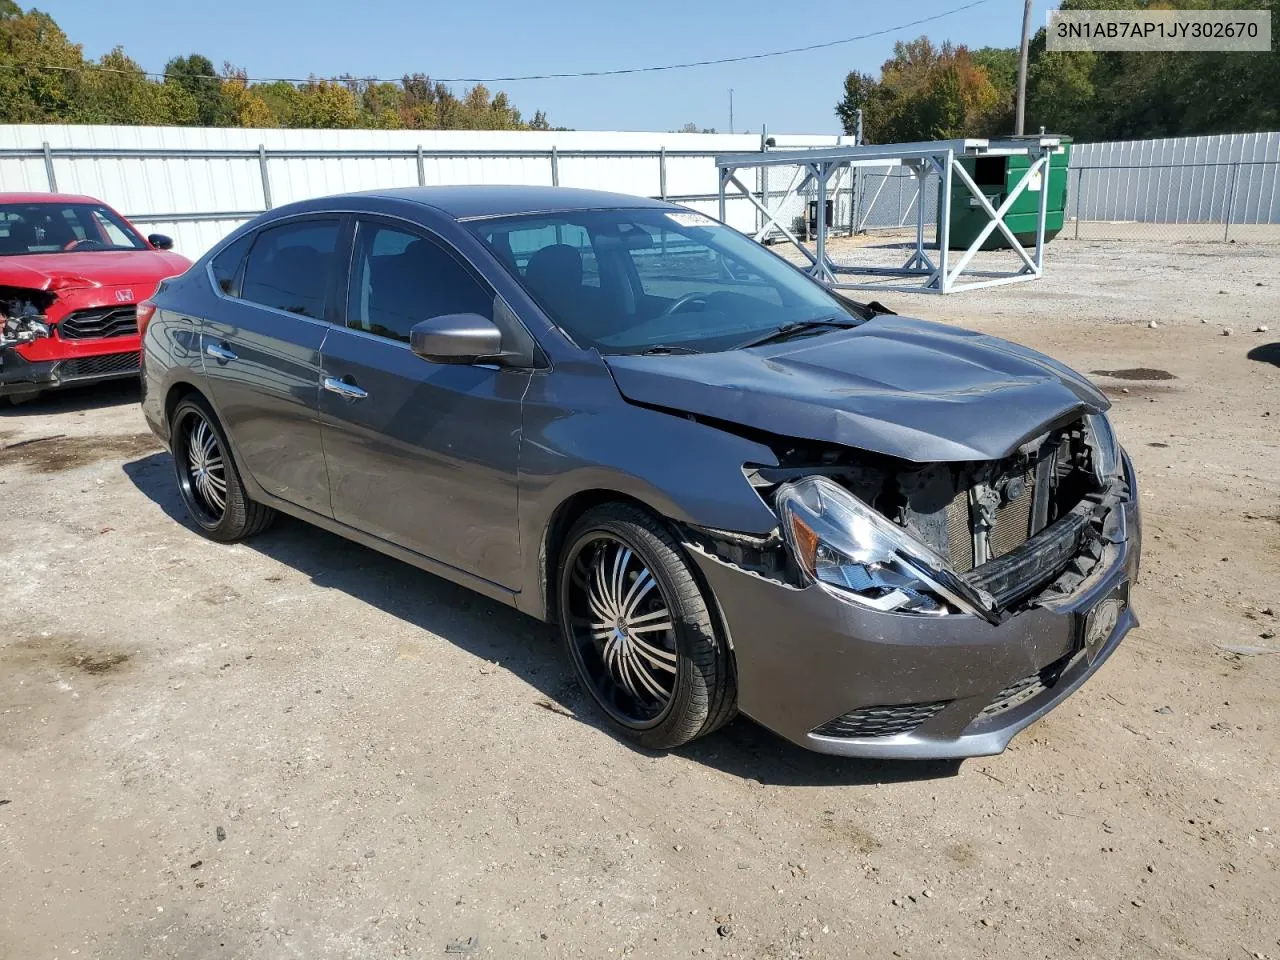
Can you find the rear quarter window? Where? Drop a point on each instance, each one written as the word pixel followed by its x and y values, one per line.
pixel 225 266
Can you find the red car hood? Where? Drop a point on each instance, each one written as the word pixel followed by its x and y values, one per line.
pixel 91 268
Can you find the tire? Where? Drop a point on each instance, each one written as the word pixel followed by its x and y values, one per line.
pixel 660 688
pixel 207 474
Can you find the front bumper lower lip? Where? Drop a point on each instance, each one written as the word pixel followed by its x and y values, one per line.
pixel 19 376
pixel 805 658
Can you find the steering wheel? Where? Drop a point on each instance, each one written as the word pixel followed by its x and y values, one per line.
pixel 77 244
pixel 683 302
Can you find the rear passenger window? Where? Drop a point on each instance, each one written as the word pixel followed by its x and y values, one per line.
pixel 289 266
pixel 226 265
pixel 400 278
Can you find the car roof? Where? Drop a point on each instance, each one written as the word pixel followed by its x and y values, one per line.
pixel 476 201
pixel 34 197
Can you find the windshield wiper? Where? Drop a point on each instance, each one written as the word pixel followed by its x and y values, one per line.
pixel 662 349
pixel 789 330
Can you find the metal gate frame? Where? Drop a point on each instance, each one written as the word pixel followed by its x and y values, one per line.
pixel 940 276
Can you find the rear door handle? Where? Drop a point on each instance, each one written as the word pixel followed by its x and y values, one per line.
pixel 348 391
pixel 220 352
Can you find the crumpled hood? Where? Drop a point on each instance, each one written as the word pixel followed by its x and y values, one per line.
pixel 91 268
pixel 906 388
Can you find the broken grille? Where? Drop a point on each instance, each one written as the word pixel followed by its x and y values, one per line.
pixel 1027 688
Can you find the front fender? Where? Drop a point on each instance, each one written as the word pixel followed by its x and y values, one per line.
pixel 581 437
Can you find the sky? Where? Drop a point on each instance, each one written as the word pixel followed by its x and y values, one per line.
pixel 493 38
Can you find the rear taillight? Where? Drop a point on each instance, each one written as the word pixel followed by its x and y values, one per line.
pixel 146 310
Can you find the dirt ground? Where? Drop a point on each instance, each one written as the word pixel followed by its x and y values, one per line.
pixel 299 748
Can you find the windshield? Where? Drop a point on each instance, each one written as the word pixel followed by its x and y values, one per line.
pixel 627 281
pixel 63 227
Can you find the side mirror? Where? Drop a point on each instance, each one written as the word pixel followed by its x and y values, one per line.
pixel 456 338
pixel 160 241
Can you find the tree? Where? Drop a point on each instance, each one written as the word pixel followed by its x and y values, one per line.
pixel 1001 64
pixel 1132 95
pixel 923 93
pixel 502 115
pixel 194 75
pixel 282 99
pixel 859 89
pixel 325 104
pixel 248 109
pixel 118 92
pixel 40 69
pixel 44 78
pixel 380 104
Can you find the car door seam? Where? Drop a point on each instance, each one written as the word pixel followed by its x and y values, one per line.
pixel 324 454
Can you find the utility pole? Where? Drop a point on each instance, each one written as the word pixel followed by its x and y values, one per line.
pixel 1022 70
pixel 731 107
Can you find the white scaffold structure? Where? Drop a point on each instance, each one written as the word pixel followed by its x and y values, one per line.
pixel 940 275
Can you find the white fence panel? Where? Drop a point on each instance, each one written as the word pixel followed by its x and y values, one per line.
pixel 18 174
pixel 197 184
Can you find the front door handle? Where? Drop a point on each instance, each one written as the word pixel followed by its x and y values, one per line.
pixel 348 391
pixel 220 352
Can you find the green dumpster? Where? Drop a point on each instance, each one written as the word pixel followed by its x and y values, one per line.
pixel 996 177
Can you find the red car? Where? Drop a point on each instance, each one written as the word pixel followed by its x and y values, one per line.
pixel 72 272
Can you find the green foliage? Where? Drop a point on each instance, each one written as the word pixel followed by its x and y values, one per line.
pixel 28 94
pixel 248 108
pixel 121 93
pixel 923 93
pixel 194 75
pixel 45 78
pixel 927 93
pixel 324 104
pixel 1124 96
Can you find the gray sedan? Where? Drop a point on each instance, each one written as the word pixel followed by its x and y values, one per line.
pixel 731 488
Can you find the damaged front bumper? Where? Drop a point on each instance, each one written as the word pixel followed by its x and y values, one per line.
pixel 22 377
pixel 844 679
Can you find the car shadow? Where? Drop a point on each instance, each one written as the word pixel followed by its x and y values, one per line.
pixel 1267 353
pixel 73 399
pixel 525 646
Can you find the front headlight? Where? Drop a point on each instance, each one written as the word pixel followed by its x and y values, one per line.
pixel 1104 448
pixel 860 557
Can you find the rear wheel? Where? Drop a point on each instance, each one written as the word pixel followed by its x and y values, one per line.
pixel 207 478
pixel 639 631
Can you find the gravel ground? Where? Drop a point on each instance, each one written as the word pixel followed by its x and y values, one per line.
pixel 298 748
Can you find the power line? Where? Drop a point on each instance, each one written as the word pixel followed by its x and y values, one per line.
pixel 621 71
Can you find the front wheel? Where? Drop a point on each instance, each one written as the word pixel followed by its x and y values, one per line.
pixel 207 477
pixel 639 632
